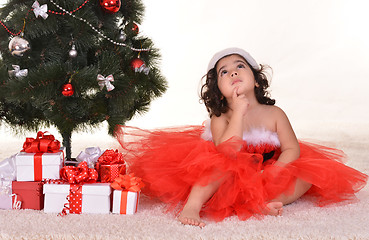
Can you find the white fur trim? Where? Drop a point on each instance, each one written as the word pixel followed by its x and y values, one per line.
pixel 255 136
pixel 206 135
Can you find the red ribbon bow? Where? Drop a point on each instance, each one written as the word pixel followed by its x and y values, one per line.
pixel 110 157
pixel 43 143
pixel 79 174
pixel 128 182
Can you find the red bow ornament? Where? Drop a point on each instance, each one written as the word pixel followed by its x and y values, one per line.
pixel 80 174
pixel 126 193
pixel 110 157
pixel 128 182
pixel 42 144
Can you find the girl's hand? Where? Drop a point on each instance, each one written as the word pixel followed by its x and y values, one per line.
pixel 240 102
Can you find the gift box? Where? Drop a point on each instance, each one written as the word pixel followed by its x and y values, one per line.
pixel 5 194
pixel 5 201
pixel 7 175
pixel 38 166
pixel 107 173
pixel 125 202
pixel 40 158
pixel 110 165
pixel 83 198
pixel 126 193
pixel 29 194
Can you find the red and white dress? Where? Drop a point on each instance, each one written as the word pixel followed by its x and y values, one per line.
pixel 170 161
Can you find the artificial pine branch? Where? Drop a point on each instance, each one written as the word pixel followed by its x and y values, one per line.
pixel 36 100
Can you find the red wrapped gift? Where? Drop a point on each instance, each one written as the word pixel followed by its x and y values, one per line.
pixel 109 165
pixel 29 194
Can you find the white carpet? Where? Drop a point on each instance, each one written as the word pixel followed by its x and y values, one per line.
pixel 300 220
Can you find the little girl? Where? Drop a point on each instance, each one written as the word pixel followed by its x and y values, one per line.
pixel 245 161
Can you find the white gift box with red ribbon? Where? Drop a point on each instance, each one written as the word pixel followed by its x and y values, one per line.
pixel 125 202
pixel 92 198
pixel 38 166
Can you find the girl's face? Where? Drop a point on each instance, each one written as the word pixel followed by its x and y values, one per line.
pixel 234 74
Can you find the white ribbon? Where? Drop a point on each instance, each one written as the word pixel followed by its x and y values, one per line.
pixel 5 187
pixel 16 204
pixel 8 169
pixel 7 175
pixel 143 69
pixel 105 81
pixel 90 155
pixel 17 72
pixel 40 10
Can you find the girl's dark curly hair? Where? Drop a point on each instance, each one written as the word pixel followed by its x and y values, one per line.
pixel 214 101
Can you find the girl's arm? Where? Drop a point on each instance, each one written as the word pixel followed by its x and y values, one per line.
pixel 290 149
pixel 224 128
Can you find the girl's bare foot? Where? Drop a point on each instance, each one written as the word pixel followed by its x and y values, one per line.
pixel 190 216
pixel 274 208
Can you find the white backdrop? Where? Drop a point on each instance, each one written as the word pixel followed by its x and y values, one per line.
pixel 318 50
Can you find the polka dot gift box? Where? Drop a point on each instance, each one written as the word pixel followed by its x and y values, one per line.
pixel 77 192
pixel 83 198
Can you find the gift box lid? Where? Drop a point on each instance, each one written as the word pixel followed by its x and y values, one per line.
pixel 23 158
pixel 27 185
pixel 88 188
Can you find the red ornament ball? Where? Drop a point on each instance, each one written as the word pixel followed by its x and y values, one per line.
pixel 136 64
pixel 134 28
pixel 110 6
pixel 68 90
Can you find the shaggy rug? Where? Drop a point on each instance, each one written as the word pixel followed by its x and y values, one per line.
pixel 300 220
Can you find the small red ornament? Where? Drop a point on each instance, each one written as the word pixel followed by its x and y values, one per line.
pixel 134 28
pixel 68 90
pixel 136 64
pixel 110 6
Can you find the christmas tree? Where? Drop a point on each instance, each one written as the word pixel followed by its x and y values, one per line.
pixel 75 64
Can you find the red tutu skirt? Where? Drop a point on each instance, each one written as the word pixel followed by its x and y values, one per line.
pixel 172 160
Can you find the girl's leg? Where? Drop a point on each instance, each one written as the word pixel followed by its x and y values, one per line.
pixel 301 187
pixel 198 196
pixel 275 206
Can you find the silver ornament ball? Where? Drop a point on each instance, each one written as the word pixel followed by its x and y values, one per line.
pixel 18 46
pixel 73 52
pixel 122 36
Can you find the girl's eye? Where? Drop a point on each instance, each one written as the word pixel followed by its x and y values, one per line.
pixel 223 72
pixel 241 65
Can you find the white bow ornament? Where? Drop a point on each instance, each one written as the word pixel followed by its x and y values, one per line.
pixel 143 69
pixel 40 10
pixel 90 155
pixel 8 169
pixel 105 81
pixel 17 72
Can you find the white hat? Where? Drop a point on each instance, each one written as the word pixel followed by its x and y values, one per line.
pixel 230 51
